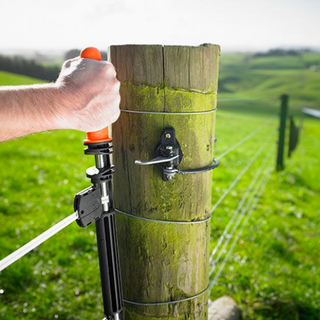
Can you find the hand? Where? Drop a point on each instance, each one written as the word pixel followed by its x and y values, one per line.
pixel 90 95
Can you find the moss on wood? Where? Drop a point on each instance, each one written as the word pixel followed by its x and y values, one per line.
pixel 164 261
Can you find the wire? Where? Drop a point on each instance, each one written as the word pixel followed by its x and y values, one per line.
pixel 235 214
pixel 252 208
pixel 16 255
pixel 235 99
pixel 247 137
pixel 236 225
pixel 238 178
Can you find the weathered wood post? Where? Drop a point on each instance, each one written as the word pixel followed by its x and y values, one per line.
pixel 164 226
pixel 282 131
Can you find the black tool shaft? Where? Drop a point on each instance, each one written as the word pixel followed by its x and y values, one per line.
pixel 109 265
pixel 108 248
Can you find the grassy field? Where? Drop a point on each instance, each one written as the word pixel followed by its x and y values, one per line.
pixel 10 79
pixel 264 79
pixel 273 272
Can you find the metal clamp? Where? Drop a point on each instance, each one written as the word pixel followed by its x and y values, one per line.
pixel 168 156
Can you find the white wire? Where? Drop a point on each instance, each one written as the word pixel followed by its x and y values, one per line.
pixel 235 99
pixel 238 210
pixel 238 178
pixel 226 258
pixel 235 227
pixel 16 255
pixel 247 137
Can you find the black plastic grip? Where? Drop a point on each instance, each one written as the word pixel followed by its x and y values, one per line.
pixel 109 264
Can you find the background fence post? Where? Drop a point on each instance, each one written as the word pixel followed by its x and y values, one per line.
pixel 282 131
pixel 168 261
pixel 294 132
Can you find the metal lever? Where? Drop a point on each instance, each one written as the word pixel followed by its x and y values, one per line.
pixel 157 160
pixel 168 156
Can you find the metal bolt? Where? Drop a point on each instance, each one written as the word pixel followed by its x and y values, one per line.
pixel 168 135
pixel 170 149
pixel 169 176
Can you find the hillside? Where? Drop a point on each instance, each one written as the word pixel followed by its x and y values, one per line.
pixel 266 78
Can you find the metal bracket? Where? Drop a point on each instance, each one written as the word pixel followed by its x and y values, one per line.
pixel 88 203
pixel 168 156
pixel 100 175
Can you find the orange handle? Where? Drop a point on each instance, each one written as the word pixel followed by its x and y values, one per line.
pixel 103 134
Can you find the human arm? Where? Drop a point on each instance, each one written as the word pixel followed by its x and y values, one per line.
pixel 85 97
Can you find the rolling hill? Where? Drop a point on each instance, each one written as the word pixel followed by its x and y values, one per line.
pixel 265 78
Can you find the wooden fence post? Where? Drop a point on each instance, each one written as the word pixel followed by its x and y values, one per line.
pixel 282 131
pixel 164 262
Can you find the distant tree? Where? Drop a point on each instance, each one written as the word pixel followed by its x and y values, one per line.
pixel 29 68
pixel 72 54
pixel 281 52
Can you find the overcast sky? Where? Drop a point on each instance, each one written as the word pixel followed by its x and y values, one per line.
pixel 234 24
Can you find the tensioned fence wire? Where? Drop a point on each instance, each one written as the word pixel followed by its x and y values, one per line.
pixel 236 99
pixel 262 185
pixel 237 211
pixel 244 139
pixel 16 255
pixel 240 175
pixel 239 214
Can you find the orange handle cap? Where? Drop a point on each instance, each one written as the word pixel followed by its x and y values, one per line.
pixel 91 53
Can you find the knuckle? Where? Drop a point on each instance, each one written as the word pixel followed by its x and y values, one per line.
pixel 67 64
pixel 115 116
pixel 117 85
pixel 111 70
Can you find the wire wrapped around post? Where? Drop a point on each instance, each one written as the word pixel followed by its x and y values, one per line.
pixel 165 265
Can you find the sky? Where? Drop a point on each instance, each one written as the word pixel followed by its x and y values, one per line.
pixel 237 25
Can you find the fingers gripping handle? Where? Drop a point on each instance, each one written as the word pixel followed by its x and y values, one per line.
pixel 103 134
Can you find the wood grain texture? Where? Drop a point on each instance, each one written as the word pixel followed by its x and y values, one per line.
pixel 164 262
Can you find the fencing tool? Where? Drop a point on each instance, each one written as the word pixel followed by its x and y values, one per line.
pixel 93 204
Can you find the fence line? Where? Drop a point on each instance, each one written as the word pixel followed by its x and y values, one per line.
pixel 240 175
pixel 238 210
pixel 244 139
pixel 248 199
pixel 236 99
pixel 252 208
pixel 16 255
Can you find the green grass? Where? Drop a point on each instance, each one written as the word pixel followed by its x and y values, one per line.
pixel 273 272
pixel 266 78
pixel 10 79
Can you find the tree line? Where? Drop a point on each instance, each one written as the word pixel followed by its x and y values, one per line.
pixel 281 52
pixel 31 68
